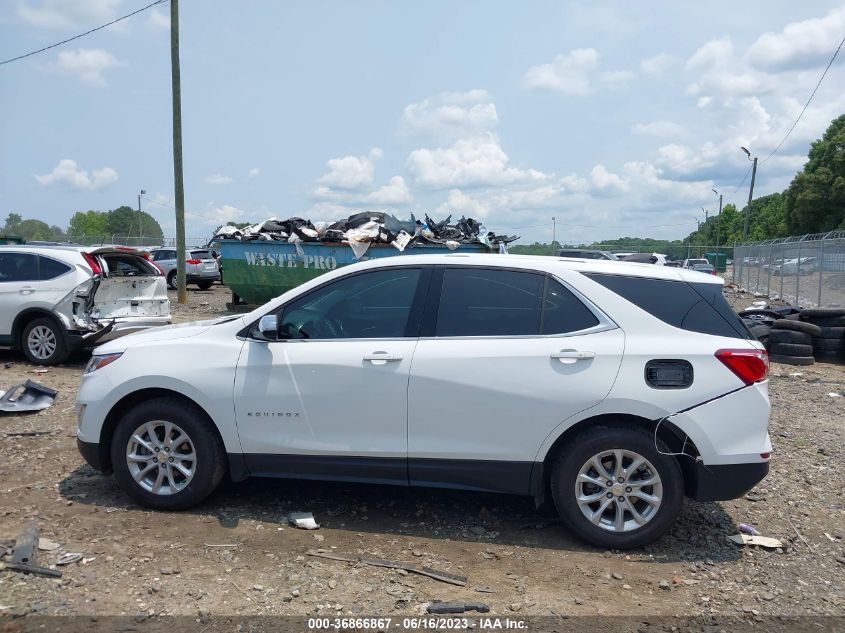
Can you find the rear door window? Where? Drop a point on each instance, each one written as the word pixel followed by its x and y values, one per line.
pixel 49 268
pixel 563 312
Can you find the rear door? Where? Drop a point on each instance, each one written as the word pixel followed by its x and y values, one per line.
pixel 505 356
pixel 132 288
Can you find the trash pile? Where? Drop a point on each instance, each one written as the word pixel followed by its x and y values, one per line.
pixel 362 229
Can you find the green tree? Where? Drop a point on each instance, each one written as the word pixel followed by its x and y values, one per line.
pixel 815 200
pixel 13 224
pixel 88 224
pixel 128 222
pixel 36 230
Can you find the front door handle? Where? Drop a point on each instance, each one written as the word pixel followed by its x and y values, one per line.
pixel 382 357
pixel 569 356
pixel 26 290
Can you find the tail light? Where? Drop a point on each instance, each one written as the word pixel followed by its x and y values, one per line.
pixel 713 272
pixel 93 263
pixel 750 365
pixel 193 261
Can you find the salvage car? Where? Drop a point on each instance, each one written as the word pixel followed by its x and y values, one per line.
pixel 58 299
pixel 201 266
pixel 613 388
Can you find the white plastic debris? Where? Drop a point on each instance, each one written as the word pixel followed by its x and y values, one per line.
pixel 401 241
pixel 751 539
pixel 46 545
pixel 833 394
pixel 452 244
pixel 760 305
pixel 303 520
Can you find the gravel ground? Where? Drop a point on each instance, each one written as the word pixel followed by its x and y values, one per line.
pixel 235 554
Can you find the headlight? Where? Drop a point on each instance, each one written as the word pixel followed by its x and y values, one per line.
pixel 98 362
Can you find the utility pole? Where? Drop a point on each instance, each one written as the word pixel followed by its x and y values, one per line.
pixel 554 230
pixel 140 218
pixel 718 224
pixel 178 184
pixel 750 195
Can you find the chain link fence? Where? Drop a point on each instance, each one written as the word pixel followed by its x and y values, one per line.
pixel 806 271
pixel 134 241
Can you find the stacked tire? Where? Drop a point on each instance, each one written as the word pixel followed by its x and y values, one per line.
pixel 791 342
pixel 829 341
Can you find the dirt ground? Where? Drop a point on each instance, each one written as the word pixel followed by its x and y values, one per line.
pixel 236 555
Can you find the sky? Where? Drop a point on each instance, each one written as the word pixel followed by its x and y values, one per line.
pixel 615 118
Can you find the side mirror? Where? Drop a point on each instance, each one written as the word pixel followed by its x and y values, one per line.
pixel 268 326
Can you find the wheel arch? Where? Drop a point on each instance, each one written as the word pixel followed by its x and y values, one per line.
pixel 27 316
pixel 672 436
pixel 131 399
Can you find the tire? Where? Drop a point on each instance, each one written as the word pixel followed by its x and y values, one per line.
pixel 830 357
pixel 791 349
pixel 822 313
pixel 789 336
pixel 634 440
pixel 204 285
pixel 832 333
pixel 761 314
pixel 43 342
pixel 792 360
pixel 830 322
pixel 171 280
pixel 797 326
pixel 828 344
pixel 177 492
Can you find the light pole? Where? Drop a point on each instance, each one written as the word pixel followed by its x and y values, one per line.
pixel 718 226
pixel 554 230
pixel 140 217
pixel 750 192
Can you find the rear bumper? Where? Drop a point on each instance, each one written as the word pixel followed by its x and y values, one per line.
pixel 122 327
pixel 720 483
pixel 193 278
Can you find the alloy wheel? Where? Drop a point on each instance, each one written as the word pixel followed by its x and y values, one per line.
pixel 42 342
pixel 161 457
pixel 618 490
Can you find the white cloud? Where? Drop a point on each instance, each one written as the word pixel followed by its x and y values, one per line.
pixel 67 172
pixel 802 44
pixel 459 202
pixel 658 65
pixel 158 20
pixel 394 192
pixel 569 74
pixel 86 64
pixel 718 52
pixel 660 129
pixel 723 73
pixel 221 214
pixel 607 182
pixel 450 114
pixel 617 78
pixel 573 183
pixel 351 172
pixel 474 161
pixel 62 14
pixel 217 179
pixel 255 172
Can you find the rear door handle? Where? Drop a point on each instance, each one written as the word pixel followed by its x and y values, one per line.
pixel 569 356
pixel 384 357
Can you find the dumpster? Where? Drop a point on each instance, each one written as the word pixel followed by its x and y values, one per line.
pixel 259 270
pixel 718 261
pixel 11 239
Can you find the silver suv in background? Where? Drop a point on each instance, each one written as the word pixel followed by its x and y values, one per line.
pixel 57 299
pixel 201 267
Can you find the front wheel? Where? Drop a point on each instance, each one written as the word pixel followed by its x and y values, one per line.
pixel 614 488
pixel 165 454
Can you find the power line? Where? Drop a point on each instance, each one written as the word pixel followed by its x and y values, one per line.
pixel 76 37
pixel 739 186
pixel 806 105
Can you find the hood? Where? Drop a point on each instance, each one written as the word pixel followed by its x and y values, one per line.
pixel 163 333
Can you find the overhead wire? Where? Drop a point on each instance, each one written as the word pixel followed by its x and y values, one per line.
pixel 76 37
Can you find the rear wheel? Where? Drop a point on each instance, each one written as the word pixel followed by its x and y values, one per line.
pixel 171 279
pixel 614 488
pixel 204 285
pixel 43 342
pixel 165 455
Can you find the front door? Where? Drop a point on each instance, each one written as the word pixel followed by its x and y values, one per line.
pixel 329 398
pixel 513 354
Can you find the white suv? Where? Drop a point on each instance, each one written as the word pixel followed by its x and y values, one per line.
pixel 57 299
pixel 615 388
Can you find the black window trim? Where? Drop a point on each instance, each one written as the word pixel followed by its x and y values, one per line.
pixel 412 327
pixel 605 323
pixel 70 267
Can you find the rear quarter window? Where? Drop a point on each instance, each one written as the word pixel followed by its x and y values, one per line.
pixel 49 268
pixel 695 307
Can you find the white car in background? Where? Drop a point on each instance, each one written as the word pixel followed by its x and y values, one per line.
pixel 613 388
pixel 57 299
pixel 201 266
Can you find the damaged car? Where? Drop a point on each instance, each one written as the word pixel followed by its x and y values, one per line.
pixel 55 300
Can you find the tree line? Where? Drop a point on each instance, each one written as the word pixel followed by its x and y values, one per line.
pixel 123 222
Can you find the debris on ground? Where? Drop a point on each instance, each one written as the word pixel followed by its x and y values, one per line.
pixel 23 556
pixel 457 607
pixel 442 576
pixel 68 558
pixel 46 545
pixel 751 539
pixel 745 528
pixel 303 520
pixel 29 396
